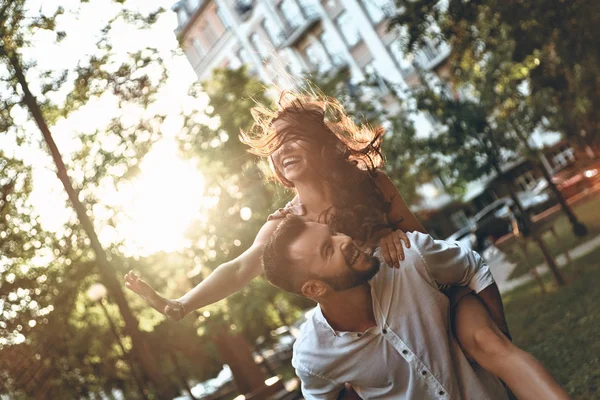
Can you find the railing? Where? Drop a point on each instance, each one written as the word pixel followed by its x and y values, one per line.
pixel 301 23
pixel 429 55
pixel 209 55
pixel 244 8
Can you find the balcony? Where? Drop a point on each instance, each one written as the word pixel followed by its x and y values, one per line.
pixel 244 8
pixel 201 66
pixel 430 56
pixel 295 28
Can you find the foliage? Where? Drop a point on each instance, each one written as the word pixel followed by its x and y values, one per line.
pixel 241 200
pixel 403 152
pixel 55 342
pixel 467 143
pixel 585 208
pixel 554 51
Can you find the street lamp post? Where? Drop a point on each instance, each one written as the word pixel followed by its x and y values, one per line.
pixel 96 293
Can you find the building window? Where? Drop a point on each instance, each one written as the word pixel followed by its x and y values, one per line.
pixel 334 52
pixel 375 12
pixel 182 16
pixel 318 57
pixel 405 63
pixel 564 157
pixel 193 5
pixel 223 18
pixel 348 28
pixel 428 53
pixel 291 13
pixel 199 48
pixel 272 30
pixel 526 181
pixel 208 33
pixel 375 78
pixel 234 62
pixel 259 45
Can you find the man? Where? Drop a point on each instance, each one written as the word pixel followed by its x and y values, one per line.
pixel 385 331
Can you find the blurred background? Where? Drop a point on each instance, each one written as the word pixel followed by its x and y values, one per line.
pixel 119 150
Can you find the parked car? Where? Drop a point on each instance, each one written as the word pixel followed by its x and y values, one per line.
pixel 533 202
pixel 492 221
pixel 464 236
pixel 221 386
pixel 277 348
pixel 574 179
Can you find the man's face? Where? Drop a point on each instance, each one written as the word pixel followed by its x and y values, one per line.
pixel 332 258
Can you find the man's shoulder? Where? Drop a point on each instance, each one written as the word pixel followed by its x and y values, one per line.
pixel 414 265
pixel 309 330
pixel 313 336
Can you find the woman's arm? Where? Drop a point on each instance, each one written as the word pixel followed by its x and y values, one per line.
pixel 225 280
pixel 390 242
pixel 399 211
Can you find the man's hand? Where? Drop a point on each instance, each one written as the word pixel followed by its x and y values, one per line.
pixel 391 247
pixel 170 308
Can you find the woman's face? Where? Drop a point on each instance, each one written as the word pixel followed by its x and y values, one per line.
pixel 293 158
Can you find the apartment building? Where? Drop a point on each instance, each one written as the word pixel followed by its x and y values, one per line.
pixel 282 40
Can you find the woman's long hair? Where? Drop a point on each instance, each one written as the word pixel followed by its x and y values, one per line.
pixel 348 159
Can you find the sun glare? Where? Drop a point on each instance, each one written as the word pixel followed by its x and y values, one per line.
pixel 160 203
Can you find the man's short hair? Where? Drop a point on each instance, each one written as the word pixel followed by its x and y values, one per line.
pixel 280 269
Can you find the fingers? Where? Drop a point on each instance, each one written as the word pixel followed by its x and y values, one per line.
pixel 134 283
pixel 392 249
pixel 397 240
pixel 387 254
pixel 403 237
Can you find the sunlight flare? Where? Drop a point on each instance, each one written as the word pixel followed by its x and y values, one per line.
pixel 159 204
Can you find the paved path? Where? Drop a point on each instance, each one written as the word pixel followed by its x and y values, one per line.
pixel 502 269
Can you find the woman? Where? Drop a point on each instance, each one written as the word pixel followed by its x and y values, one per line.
pixel 332 164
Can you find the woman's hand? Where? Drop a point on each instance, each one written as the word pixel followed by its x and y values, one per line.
pixel 391 247
pixel 171 308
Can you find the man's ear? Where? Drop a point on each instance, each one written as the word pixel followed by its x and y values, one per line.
pixel 314 289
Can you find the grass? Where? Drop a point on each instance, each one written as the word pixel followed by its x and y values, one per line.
pixel 562 328
pixel 586 211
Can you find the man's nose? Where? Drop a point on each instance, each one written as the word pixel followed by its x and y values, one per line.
pixel 343 242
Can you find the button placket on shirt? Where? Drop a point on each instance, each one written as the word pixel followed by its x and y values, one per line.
pixel 414 362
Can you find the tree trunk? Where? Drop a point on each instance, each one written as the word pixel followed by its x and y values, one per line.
pixel 579 229
pixel 234 351
pixel 558 277
pixel 107 270
pixel 182 376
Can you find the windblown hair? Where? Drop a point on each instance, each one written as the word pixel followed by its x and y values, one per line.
pixel 348 159
pixel 278 265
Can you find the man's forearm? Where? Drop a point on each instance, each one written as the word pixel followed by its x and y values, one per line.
pixel 490 296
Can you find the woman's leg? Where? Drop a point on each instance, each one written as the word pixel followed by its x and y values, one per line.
pixel 482 340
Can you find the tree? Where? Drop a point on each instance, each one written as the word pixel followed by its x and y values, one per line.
pixel 554 50
pixel 99 73
pixel 501 63
pixel 240 201
pixel 404 157
pixel 476 145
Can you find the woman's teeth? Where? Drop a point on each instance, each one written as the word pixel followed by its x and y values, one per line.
pixel 289 161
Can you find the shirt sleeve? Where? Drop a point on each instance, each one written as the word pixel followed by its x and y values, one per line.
pixel 451 263
pixel 316 387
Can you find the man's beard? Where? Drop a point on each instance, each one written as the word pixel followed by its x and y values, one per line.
pixel 354 278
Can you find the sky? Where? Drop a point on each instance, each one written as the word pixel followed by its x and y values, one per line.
pixel 140 228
